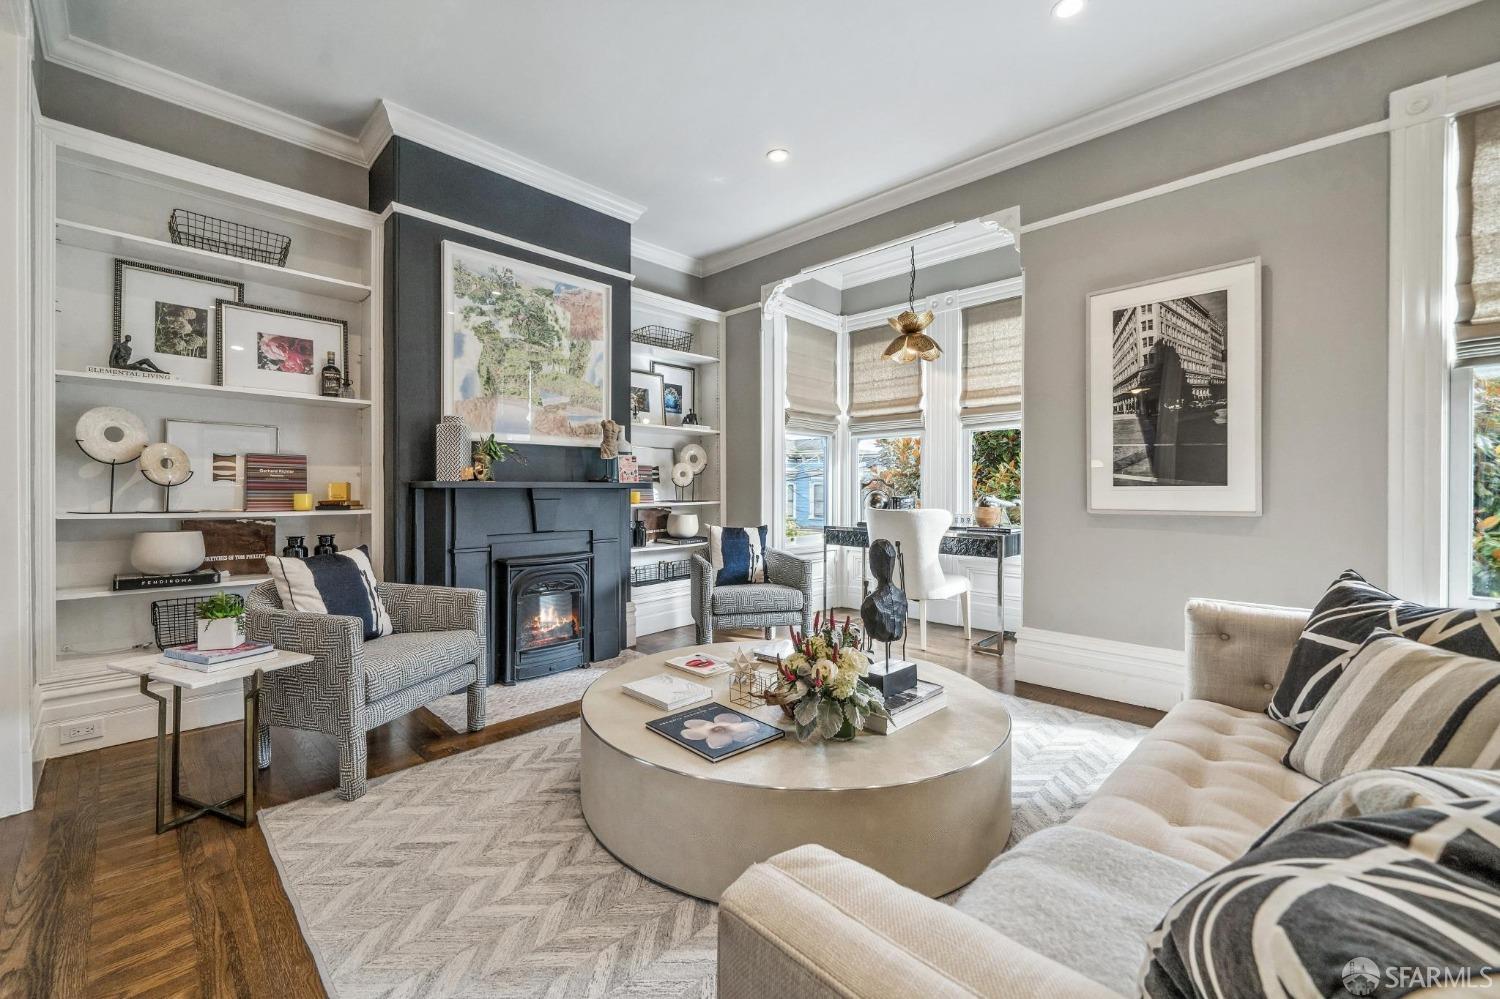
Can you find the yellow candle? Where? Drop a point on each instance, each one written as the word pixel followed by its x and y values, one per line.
pixel 302 501
pixel 338 491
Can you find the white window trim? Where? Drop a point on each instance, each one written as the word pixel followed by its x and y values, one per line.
pixel 1418 508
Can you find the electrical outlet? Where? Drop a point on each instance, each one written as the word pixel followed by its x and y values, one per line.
pixel 82 731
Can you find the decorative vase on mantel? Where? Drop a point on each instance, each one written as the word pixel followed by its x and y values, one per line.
pixel 452 440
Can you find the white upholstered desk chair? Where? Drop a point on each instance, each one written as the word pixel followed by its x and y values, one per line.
pixel 919 533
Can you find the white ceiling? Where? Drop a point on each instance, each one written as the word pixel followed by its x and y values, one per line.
pixel 673 103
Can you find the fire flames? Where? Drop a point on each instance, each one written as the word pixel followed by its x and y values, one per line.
pixel 547 626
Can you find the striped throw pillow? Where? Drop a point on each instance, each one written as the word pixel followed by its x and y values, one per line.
pixel 737 555
pixel 342 583
pixel 1400 703
pixel 1384 905
pixel 1349 612
pixel 1369 792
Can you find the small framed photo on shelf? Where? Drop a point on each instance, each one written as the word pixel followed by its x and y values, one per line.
pixel 217 451
pixel 679 390
pixel 646 398
pixel 265 348
pixel 165 320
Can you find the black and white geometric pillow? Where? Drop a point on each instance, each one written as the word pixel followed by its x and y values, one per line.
pixel 342 583
pixel 1346 907
pixel 1351 610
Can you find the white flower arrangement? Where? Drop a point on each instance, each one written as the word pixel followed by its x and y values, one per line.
pixel 819 685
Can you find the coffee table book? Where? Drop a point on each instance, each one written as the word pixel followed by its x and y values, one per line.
pixel 715 732
pixel 715 667
pixel 667 692
pixel 909 706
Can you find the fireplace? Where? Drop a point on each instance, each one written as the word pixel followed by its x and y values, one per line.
pixel 546 615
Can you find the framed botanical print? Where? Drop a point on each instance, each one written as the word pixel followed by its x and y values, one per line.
pixel 165 318
pixel 265 348
pixel 525 349
pixel 678 392
pixel 1174 388
pixel 216 452
pixel 646 389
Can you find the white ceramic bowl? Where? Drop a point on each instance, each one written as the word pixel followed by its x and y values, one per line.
pixel 162 553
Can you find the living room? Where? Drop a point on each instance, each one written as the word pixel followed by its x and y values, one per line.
pixel 1020 522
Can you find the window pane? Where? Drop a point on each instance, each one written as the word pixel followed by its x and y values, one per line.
pixel 806 485
pixel 996 469
pixel 889 467
pixel 1486 430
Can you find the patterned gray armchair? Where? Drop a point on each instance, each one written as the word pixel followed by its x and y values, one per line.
pixel 352 686
pixel 784 599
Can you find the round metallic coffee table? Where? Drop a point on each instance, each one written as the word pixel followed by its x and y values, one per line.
pixel 928 806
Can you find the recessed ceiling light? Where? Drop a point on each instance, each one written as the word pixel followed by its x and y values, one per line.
pixel 1067 8
pixel 781 155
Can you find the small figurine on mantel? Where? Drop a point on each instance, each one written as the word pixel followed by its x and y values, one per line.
pixel 119 357
pixel 609 448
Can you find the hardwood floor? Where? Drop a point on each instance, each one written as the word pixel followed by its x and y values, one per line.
pixel 94 903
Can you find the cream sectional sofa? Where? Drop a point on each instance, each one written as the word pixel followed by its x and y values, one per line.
pixel 1199 789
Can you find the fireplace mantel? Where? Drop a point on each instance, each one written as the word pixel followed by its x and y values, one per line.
pixel 461 531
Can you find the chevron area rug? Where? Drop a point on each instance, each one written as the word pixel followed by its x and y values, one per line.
pixel 503 703
pixel 475 875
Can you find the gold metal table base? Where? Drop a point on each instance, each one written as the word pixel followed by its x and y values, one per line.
pixel 168 772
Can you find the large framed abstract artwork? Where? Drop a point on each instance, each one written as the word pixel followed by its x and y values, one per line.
pixel 1174 389
pixel 526 349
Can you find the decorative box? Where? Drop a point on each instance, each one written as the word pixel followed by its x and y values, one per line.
pixel 901 675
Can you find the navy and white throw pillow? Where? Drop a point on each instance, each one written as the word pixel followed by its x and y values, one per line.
pixel 738 555
pixel 1350 612
pixel 342 583
pixel 1394 904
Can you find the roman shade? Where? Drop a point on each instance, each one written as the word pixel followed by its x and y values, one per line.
pixel 881 391
pixel 992 359
pixel 1478 290
pixel 811 375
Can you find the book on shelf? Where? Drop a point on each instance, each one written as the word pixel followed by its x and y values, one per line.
pixel 699 665
pixel 715 732
pixel 909 706
pixel 666 691
pixel 190 653
pixel 271 479
pixel 669 540
pixel 143 581
pixel 216 667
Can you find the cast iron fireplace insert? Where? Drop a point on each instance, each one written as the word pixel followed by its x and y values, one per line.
pixel 545 608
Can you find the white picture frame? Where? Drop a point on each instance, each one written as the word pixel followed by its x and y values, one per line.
pixel 213 487
pixel 679 381
pixel 1165 435
pixel 647 386
pixel 150 300
pixel 559 399
pixel 277 349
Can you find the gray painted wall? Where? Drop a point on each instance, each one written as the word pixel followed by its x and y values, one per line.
pixel 981 268
pixel 1319 223
pixel 89 102
pixel 818 295
pixel 744 470
pixel 665 281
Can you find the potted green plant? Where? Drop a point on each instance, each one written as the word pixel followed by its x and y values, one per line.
pixel 221 622
pixel 488 453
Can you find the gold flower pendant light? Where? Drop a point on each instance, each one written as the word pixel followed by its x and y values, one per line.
pixel 912 342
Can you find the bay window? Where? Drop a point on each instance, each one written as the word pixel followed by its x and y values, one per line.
pixel 888 466
pixel 806 475
pixel 995 466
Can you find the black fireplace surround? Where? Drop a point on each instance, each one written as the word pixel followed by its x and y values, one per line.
pixel 552 557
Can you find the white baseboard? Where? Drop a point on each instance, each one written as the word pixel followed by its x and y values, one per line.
pixel 1118 671
pixel 124 713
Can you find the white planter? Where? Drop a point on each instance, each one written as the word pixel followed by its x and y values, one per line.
pixel 220 633
pixel 682 525
pixel 162 553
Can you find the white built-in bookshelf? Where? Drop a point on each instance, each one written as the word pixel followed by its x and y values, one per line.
pixel 100 199
pixel 659 606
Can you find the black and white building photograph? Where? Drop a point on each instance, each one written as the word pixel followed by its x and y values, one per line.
pixel 1170 415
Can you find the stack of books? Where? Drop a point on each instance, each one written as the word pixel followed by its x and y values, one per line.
pixel 208 661
pixel 667 692
pixel 669 540
pixel 145 581
pixel 909 706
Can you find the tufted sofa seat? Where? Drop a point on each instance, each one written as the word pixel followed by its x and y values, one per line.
pixel 1198 790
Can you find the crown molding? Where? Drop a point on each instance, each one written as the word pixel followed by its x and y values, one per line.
pixel 1345 33
pixel 652 253
pixel 60 46
pixel 445 138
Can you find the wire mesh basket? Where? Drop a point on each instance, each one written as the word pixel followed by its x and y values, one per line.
pixel 666 571
pixel 175 621
pixel 663 336
pixel 205 232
